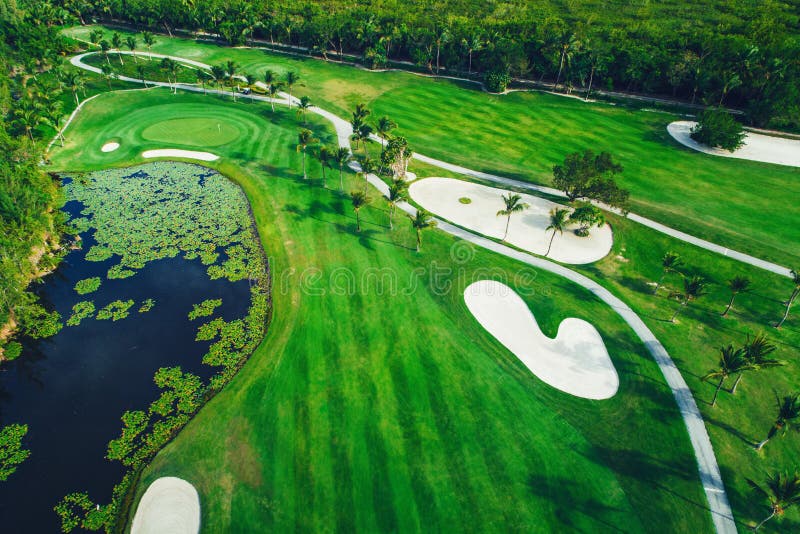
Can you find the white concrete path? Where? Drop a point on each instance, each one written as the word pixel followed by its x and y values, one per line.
pixel 710 476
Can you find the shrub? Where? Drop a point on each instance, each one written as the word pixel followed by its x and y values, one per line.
pixel 717 128
pixel 12 350
pixel 465 200
pixel 497 81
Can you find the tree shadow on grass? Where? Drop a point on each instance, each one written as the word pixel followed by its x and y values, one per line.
pixel 729 429
pixel 561 490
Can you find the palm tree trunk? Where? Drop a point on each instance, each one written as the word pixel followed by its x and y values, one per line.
pixel 560 67
pixel 770 516
pixel 119 56
pixel 324 180
pixel 304 164
pixel 508 221
pixel 419 239
pixel 788 307
pixel 75 94
pixel 772 431
pixel 677 311
pixel 591 78
pixel 551 244
pixel 736 383
pixel 358 222
pixel 469 69
pixel 391 217
pixel 730 304
pixel 719 386
pixel 341 180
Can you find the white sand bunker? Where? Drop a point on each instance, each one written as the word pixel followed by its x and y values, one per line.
pixel 111 146
pixel 178 153
pixel 575 362
pixel 170 505
pixel 757 147
pixel 527 229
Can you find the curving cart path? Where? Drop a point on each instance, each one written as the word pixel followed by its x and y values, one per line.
pixel 710 476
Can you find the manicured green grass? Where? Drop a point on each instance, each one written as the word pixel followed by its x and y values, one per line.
pixel 523 135
pixel 372 409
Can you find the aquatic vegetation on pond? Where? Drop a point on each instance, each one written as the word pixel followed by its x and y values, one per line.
pixel 11 451
pixel 88 285
pixel 160 210
pixel 115 311
pixel 204 309
pixel 81 311
pixel 147 305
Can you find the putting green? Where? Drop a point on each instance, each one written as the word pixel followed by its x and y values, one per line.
pixel 204 131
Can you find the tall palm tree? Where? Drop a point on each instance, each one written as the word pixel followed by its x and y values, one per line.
pixel 669 264
pixel 568 43
pixel 420 221
pixel 341 156
pixel 250 80
pixel 230 72
pixel 116 42
pixel 105 47
pixel 384 128
pixel 108 73
pixel 361 112
pixel 54 116
pixel 203 76
pixel 398 192
pixel 795 292
pixel 149 40
pixel 693 288
pixel 95 36
pixel 305 138
pixel 270 77
pixel 324 157
pixel 218 72
pixel 74 81
pixel 514 205
pixel 737 284
pixel 731 361
pixel 272 91
pixel 756 351
pixel 782 492
pixel 788 413
pixel 362 135
pixel 130 42
pixel 291 79
pixel 558 222
pixel 142 72
pixel 358 199
pixel 302 107
pixel 28 119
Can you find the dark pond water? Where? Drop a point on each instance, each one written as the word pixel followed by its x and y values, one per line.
pixel 72 388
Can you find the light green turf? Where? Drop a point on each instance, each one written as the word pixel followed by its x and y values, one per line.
pixel 370 409
pixel 204 133
pixel 522 135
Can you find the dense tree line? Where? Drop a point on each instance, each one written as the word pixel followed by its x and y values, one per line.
pixel 736 53
pixel 29 221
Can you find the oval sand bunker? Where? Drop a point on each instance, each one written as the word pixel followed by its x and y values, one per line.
pixel 111 146
pixel 178 153
pixel 170 505
pixel 576 361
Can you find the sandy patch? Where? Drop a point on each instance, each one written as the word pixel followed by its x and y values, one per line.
pixel 111 146
pixel 757 147
pixel 441 197
pixel 575 362
pixel 170 505
pixel 178 153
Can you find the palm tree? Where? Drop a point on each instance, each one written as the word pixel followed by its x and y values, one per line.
pixel 54 116
pixel 273 90
pixel 203 76
pixel 782 492
pixel 74 81
pixel 230 72
pixel 305 138
pixel 788 413
pixel 693 288
pixel 148 39
pixel 105 47
pixel 669 264
pixel 731 361
pixel 398 192
pixel 218 72
pixel 513 204
pixel 28 119
pixel 130 42
pixel 384 128
pixel 116 42
pixel 567 45
pixel 795 292
pixel 737 284
pixel 358 199
pixel 302 107
pixel 558 222
pixel 108 73
pixel 324 157
pixel 142 72
pixel 756 351
pixel 95 36
pixel 341 156
pixel 420 221
pixel 270 77
pixel 291 78
pixel 250 80
pixel 362 134
pixel 361 112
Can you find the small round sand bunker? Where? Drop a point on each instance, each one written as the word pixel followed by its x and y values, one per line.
pixel 111 146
